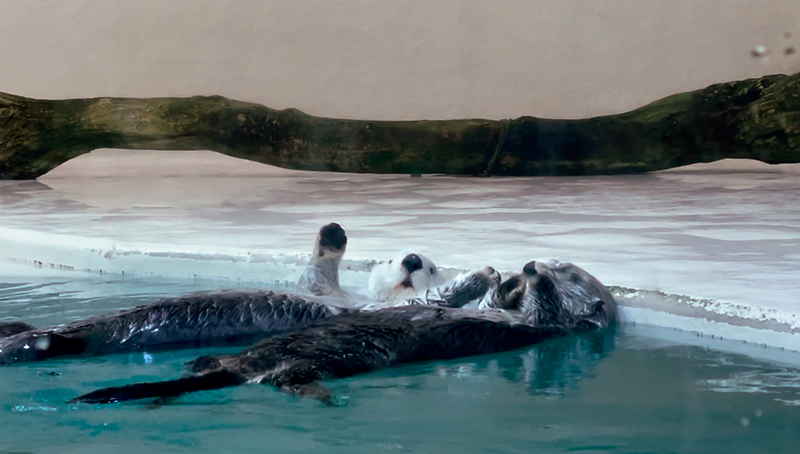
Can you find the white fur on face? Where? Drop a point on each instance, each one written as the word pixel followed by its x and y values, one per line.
pixel 389 281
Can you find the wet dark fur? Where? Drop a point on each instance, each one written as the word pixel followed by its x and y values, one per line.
pixel 582 296
pixel 190 321
pixel 184 322
pixel 222 318
pixel 353 343
pixel 11 328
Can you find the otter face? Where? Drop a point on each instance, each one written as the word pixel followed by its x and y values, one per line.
pixel 558 293
pixel 403 278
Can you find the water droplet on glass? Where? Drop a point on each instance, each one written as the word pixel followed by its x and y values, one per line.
pixel 758 51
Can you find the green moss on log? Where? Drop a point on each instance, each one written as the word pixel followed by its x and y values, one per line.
pixel 754 118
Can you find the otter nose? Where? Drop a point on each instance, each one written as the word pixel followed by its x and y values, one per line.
pixel 530 268
pixel 412 263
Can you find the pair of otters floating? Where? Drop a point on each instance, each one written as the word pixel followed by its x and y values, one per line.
pixel 320 333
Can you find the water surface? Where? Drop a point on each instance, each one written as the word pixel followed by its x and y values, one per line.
pixel 639 389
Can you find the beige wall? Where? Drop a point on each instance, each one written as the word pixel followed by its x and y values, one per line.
pixel 395 59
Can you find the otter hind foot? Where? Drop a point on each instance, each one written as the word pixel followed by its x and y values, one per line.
pixel 204 364
pixel 315 390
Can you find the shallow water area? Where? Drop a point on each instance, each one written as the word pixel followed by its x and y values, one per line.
pixel 639 389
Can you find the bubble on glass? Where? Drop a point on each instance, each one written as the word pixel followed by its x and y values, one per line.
pixel 758 51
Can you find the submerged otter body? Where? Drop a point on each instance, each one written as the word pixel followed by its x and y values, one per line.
pixel 357 342
pixel 182 322
pixel 343 346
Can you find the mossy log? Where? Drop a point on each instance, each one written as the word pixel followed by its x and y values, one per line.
pixel 754 118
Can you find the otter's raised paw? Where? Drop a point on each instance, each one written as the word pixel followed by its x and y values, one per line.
pixel 478 286
pixel 321 276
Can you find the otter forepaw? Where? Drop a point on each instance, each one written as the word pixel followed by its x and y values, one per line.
pixel 478 286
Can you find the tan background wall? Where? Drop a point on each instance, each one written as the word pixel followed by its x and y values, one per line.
pixel 396 59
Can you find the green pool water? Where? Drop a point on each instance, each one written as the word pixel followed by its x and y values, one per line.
pixel 636 390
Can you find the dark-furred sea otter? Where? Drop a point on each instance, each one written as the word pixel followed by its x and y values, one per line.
pixel 357 342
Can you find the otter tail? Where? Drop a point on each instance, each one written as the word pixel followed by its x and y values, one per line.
pixel 161 389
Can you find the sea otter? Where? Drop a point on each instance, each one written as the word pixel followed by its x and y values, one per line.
pixel 390 283
pixel 357 342
pixel 578 290
pixel 223 318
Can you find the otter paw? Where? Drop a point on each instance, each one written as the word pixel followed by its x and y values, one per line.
pixel 332 237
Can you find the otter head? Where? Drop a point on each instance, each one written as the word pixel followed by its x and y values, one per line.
pixel 403 277
pixel 558 294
